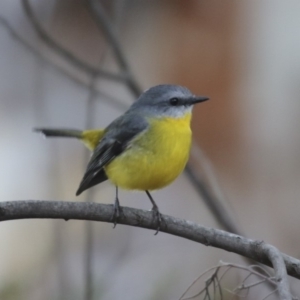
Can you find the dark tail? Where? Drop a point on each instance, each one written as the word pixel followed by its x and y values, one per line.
pixel 50 132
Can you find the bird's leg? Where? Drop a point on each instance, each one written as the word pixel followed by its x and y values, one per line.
pixel 156 212
pixel 117 209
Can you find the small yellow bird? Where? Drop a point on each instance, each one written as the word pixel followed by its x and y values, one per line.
pixel 144 149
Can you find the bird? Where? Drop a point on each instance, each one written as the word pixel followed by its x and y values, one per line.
pixel 144 149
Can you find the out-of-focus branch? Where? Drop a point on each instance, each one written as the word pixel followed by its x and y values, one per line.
pixel 108 30
pixel 208 187
pixel 256 250
pixel 26 45
pixel 67 55
pixel 211 201
pixel 202 163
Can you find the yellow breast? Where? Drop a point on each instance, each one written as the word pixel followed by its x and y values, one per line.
pixel 155 158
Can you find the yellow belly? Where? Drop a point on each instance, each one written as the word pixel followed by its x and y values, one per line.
pixel 155 158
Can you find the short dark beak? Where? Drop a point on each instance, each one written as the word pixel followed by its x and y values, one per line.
pixel 197 99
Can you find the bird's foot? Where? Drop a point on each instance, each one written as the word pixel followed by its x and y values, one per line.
pixel 117 212
pixel 158 217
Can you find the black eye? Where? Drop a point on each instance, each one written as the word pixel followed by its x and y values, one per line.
pixel 174 101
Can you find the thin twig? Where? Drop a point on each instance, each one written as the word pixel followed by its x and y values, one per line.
pixel 66 54
pixel 247 277
pixel 13 210
pixel 260 269
pixel 196 280
pixel 249 285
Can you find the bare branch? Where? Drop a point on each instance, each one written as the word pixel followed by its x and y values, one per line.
pixel 211 201
pixel 256 250
pixel 67 55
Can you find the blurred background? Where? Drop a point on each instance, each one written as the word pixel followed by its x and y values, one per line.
pixel 244 55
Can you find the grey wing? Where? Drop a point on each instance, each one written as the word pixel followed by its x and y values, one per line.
pixel 117 138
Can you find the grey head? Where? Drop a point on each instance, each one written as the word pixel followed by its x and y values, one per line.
pixel 166 100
